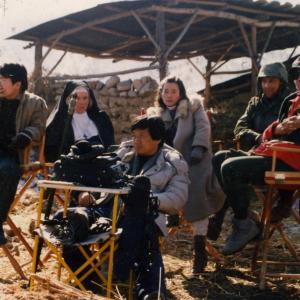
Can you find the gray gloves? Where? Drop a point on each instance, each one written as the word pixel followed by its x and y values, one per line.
pixel 197 154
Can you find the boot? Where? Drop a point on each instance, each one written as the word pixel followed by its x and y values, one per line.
pixel 2 236
pixel 243 231
pixel 215 223
pixel 282 210
pixel 200 255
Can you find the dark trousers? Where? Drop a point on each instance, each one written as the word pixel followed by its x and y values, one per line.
pixel 10 174
pixel 238 172
pixel 138 250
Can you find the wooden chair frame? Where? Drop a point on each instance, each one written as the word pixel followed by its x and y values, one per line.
pixel 275 179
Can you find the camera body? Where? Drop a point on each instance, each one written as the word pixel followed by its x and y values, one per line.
pixel 105 170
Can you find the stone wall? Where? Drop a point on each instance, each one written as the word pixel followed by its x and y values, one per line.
pixel 121 100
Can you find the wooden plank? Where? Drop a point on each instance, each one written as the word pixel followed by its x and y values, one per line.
pixel 232 72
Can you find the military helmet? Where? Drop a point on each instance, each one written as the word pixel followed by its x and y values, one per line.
pixel 277 70
pixel 295 69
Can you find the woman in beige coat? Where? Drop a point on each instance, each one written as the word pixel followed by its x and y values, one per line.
pixel 188 131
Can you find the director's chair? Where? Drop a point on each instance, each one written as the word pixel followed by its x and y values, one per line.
pixel 102 245
pixel 276 180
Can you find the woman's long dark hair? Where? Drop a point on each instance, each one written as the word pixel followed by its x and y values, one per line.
pixel 170 79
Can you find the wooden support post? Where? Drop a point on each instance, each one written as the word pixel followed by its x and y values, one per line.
pixel 37 72
pixel 207 84
pixel 254 60
pixel 259 58
pixel 161 40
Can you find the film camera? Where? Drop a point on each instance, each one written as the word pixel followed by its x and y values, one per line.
pixel 88 165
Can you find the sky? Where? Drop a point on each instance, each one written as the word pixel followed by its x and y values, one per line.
pixel 19 15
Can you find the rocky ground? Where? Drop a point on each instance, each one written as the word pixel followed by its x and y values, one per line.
pixel 230 281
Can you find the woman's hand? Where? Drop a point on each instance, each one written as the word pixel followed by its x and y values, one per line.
pixel 86 199
pixel 288 125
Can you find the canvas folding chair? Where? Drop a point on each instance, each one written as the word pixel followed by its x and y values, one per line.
pixel 102 246
pixel 29 172
pixel 276 180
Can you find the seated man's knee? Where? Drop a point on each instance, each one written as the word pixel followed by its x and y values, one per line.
pixel 219 158
pixel 229 170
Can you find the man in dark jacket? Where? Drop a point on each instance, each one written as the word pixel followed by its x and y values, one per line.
pixel 238 173
pixel 22 121
pixel 261 111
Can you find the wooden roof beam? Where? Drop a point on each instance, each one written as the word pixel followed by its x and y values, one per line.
pixel 143 25
pixel 57 63
pixel 240 8
pixel 197 20
pixel 207 36
pixel 225 15
pixel 217 65
pixel 99 21
pixel 98 29
pixel 266 44
pixel 181 35
pixel 143 16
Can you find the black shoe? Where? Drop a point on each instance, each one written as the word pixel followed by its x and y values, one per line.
pixel 280 212
pixel 3 240
pixel 173 220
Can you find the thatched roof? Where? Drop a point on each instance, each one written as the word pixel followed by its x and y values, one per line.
pixel 119 30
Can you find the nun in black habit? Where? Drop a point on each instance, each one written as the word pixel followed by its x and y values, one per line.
pixel 76 116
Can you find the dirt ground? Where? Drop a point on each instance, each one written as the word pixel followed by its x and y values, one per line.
pixel 233 280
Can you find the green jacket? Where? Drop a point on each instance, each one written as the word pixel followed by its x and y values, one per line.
pixel 260 113
pixel 31 115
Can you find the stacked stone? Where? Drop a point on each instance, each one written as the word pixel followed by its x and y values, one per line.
pixel 121 100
